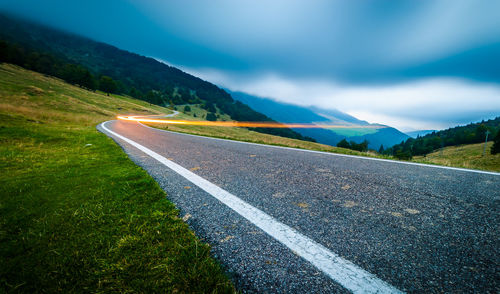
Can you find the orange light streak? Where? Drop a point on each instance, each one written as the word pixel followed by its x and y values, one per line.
pixel 245 124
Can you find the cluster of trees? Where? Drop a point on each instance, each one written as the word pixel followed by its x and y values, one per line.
pixel 95 65
pixel 363 146
pixel 48 64
pixel 469 134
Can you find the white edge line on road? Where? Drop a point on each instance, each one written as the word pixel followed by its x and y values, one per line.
pixel 344 272
pixel 336 154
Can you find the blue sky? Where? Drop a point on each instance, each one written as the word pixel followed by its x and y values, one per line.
pixel 410 64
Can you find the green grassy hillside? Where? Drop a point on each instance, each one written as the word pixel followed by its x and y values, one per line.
pixel 76 215
pixel 466 156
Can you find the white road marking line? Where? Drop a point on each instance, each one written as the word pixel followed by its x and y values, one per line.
pixel 344 272
pixel 336 154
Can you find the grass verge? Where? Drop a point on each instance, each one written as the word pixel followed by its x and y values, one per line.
pixel 76 215
pixel 465 156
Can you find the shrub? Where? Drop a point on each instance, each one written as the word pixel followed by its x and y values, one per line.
pixel 211 116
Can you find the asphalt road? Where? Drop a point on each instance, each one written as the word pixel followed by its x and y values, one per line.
pixel 417 228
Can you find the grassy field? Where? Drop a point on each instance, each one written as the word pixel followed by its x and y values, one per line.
pixel 466 156
pixel 76 215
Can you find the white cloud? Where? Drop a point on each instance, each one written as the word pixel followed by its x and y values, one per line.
pixel 425 104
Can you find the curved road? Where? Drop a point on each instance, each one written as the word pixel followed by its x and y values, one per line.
pixel 287 220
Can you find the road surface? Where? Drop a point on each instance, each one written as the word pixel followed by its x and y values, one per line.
pixel 286 220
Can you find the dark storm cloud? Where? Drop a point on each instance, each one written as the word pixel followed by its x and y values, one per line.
pixel 318 52
pixel 351 41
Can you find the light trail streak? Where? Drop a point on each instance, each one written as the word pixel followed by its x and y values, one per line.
pixel 246 124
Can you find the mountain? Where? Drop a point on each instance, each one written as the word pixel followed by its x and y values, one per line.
pixel 337 116
pixel 288 113
pixel 415 134
pixel 282 112
pixel 92 65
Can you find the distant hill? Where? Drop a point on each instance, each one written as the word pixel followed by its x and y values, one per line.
pixel 415 134
pixel 92 64
pixel 468 134
pixel 385 137
pixel 289 113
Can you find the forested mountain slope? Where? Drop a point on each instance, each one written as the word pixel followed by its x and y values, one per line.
pixel 92 65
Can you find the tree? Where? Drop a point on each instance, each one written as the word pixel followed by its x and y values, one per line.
pixel 154 97
pixel 69 73
pixel 211 116
pixel 135 93
pixel 363 146
pixel 209 106
pixel 4 51
pixel 480 133
pixel 88 81
pixel 401 154
pixel 107 85
pixel 344 144
pixel 169 90
pixel 381 149
pixel 187 108
pixel 496 144
pixel 184 94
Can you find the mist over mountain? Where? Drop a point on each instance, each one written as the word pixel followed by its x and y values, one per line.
pixel 289 113
pixel 335 115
